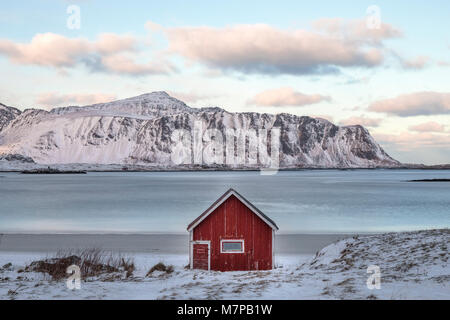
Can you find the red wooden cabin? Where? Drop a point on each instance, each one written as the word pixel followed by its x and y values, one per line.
pixel 232 234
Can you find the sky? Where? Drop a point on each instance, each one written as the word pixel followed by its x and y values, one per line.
pixel 382 64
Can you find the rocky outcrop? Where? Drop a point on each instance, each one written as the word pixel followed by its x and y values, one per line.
pixel 7 114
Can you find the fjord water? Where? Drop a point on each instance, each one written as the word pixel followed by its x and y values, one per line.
pixel 310 201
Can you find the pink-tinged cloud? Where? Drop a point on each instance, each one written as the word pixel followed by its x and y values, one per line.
pixel 431 126
pixel 55 99
pixel 416 63
pixel 414 104
pixel 406 141
pixel 190 97
pixel 362 120
pixel 123 64
pixel 105 54
pixel 260 48
pixel 47 49
pixel 443 63
pixel 110 43
pixel 322 116
pixel 285 97
pixel 356 30
pixel 153 27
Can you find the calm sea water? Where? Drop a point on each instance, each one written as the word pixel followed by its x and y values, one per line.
pixel 325 201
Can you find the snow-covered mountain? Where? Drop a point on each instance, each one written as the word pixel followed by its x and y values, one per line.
pixel 138 131
pixel 7 114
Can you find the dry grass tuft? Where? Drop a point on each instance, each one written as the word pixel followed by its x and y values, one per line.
pixel 92 262
pixel 160 267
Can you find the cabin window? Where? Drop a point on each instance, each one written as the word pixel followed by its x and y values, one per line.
pixel 232 246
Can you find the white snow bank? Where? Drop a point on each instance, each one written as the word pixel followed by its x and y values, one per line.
pixel 414 265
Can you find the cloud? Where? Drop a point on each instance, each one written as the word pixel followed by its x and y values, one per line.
pixel 286 97
pixel 110 43
pixel 416 63
pixel 322 116
pixel 356 30
pixel 125 65
pixel 190 97
pixel 260 48
pixel 414 104
pixel 331 44
pixel 105 54
pixel 409 141
pixel 55 99
pixel 443 63
pixel 47 49
pixel 362 120
pixel 431 126
pixel 153 27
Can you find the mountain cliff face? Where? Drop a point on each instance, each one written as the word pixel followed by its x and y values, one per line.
pixel 7 114
pixel 138 131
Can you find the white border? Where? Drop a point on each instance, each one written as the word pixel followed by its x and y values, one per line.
pixel 232 240
pixel 191 253
pixel 223 200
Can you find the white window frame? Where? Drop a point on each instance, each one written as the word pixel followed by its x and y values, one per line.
pixel 232 240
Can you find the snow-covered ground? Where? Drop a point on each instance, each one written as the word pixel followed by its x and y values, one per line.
pixel 414 265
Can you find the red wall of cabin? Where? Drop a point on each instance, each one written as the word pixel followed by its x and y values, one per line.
pixel 233 220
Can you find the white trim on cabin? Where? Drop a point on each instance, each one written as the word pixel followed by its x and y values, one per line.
pixel 232 251
pixel 245 202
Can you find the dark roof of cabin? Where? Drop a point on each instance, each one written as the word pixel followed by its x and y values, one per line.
pixel 246 202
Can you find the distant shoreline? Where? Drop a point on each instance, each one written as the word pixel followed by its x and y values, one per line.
pixel 84 169
pixel 150 243
pixel 430 180
pixel 166 233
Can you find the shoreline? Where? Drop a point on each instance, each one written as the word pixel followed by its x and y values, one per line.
pixel 168 233
pixel 445 168
pixel 430 180
pixel 150 243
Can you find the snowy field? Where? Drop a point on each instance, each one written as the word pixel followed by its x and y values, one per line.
pixel 414 265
